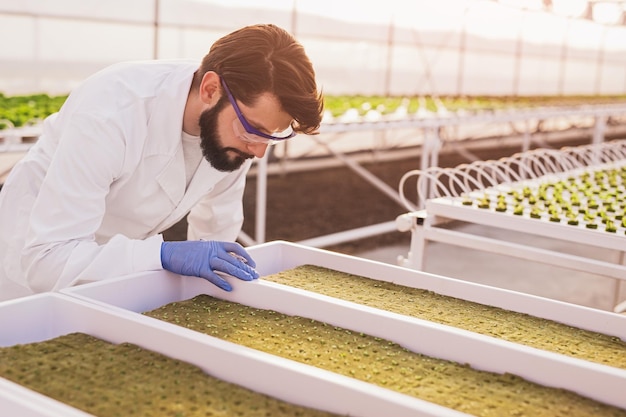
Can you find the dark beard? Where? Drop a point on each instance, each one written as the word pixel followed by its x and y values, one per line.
pixel 219 157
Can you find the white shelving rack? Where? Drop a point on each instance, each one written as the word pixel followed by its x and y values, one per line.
pixel 488 193
pixel 428 133
pixel 424 132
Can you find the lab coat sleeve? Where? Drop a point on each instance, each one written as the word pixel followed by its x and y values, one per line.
pixel 60 248
pixel 219 215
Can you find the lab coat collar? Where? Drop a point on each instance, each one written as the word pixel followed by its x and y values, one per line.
pixel 166 118
pixel 170 105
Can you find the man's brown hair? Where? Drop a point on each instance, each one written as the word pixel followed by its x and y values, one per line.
pixel 265 58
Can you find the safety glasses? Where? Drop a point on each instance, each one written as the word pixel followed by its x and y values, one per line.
pixel 247 132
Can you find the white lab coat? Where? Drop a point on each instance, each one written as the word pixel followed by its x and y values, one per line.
pixel 107 176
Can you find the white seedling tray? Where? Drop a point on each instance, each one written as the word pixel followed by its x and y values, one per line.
pixel 452 208
pixel 15 400
pixel 143 292
pixel 46 316
pixel 278 256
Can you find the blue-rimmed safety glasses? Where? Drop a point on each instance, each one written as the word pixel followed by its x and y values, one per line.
pixel 249 134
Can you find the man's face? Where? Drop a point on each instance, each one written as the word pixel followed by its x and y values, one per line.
pixel 221 138
pixel 222 158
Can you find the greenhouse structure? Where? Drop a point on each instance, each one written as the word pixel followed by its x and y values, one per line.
pixel 449 241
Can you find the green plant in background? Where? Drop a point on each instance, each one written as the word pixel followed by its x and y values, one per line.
pixel 338 105
pixel 590 198
pixel 18 111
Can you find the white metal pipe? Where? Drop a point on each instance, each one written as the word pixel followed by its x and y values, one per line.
pixel 350 235
pixel 453 119
pixel 261 199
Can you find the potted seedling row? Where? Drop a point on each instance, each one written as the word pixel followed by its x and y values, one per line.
pixel 590 198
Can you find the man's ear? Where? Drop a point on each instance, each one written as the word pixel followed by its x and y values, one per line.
pixel 210 88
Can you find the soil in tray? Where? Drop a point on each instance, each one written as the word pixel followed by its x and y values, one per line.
pixel 125 380
pixel 488 320
pixel 378 361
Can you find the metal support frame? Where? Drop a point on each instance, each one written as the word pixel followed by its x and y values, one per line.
pixel 430 127
pixel 422 234
pixel 430 147
pixel 532 167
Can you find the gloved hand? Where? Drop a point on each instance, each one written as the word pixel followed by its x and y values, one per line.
pixel 207 258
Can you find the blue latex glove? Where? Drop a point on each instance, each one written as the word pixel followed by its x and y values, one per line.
pixel 206 259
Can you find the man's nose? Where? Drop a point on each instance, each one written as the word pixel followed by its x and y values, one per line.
pixel 257 149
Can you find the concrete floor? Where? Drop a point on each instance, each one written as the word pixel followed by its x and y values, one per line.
pixel 501 271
